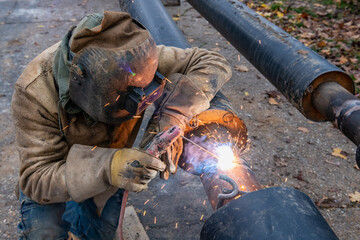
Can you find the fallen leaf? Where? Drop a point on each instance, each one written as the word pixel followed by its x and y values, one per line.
pixel 176 18
pixel 190 40
pixel 337 153
pixel 73 19
pixel 303 52
pixel 272 101
pixel 354 60
pixel 326 51
pixel 246 93
pixel 303 129
pixel 321 44
pixel 354 197
pixel 40 26
pixel 343 60
pixel 241 68
pixel 279 14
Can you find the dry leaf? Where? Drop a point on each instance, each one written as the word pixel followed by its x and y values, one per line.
pixel 354 197
pixel 176 18
pixel 279 14
pixel 303 129
pixel 73 19
pixel 354 60
pixel 321 44
pixel 241 68
pixel 246 93
pixel 303 52
pixel 190 40
pixel 272 101
pixel 337 153
pixel 343 60
pixel 40 26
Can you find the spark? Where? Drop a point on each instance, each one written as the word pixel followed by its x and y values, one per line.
pixel 117 98
pixel 202 216
pixel 204 202
pixel 155 205
pixel 259 41
pixel 154 220
pixel 285 180
pixel 168 80
pixel 146 201
pixel 136 116
pixel 163 186
pixel 202 174
pixel 65 127
pixel 239 58
pixel 176 225
pixel 107 104
pixel 93 148
pixel 144 213
pixel 226 157
pixel 152 132
pixel 237 196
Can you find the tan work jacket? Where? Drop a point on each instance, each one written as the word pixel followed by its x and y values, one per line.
pixel 61 157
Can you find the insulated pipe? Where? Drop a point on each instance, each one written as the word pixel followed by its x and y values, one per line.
pixel 153 15
pixel 294 69
pixel 271 213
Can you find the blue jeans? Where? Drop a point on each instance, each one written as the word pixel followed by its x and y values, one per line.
pixel 53 221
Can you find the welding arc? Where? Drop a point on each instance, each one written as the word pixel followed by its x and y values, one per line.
pixel 200 147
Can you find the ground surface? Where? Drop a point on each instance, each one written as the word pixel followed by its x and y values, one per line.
pixel 286 150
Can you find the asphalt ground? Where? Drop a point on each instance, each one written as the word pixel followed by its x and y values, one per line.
pixel 286 149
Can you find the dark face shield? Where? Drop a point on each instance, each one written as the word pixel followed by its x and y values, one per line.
pixel 135 100
pixel 112 85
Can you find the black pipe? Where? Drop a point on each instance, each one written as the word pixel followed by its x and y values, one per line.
pixel 153 15
pixel 294 69
pixel 271 213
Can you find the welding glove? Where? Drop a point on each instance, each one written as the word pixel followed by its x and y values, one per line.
pixel 173 152
pixel 132 169
pixel 181 101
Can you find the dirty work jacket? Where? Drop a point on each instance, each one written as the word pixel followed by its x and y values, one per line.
pixel 59 164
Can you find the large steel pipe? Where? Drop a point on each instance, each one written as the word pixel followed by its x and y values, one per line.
pixel 289 65
pixel 294 69
pixel 153 15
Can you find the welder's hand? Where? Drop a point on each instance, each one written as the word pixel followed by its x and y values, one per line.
pixel 172 154
pixel 132 169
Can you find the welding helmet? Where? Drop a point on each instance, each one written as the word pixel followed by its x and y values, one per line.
pixel 112 75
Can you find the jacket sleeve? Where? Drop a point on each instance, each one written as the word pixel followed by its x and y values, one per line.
pixel 195 75
pixel 44 157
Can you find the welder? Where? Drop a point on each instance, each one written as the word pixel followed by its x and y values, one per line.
pixel 77 109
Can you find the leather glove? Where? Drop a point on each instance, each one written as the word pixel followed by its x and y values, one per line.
pixel 132 169
pixel 172 154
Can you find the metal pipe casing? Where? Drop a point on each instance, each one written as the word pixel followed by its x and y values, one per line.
pixel 271 213
pixel 294 69
pixel 153 15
